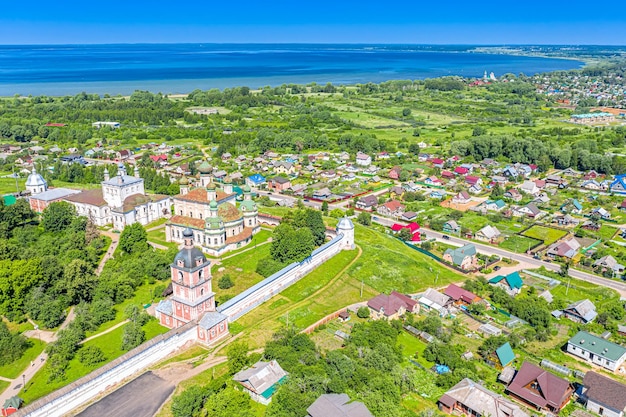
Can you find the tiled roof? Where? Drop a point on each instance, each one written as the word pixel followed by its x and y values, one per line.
pixel 478 398
pixel 552 391
pixel 199 195
pixel 132 201
pixel 91 197
pixel 187 221
pixel 457 293
pixel 604 391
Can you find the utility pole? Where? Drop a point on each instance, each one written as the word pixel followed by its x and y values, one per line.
pixel 361 296
pixel 568 282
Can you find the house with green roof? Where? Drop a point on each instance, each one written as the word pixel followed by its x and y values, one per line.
pixel 505 354
pixel 463 257
pixel 511 283
pixel 597 350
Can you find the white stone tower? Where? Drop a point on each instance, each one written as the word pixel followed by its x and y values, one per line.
pixel 35 183
pixel 346 227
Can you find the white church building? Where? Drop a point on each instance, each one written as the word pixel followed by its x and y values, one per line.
pixel 121 200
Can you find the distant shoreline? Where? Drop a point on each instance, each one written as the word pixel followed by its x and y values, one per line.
pixel 62 70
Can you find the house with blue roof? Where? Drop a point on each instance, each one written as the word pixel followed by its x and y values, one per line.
pixel 437 194
pixel 256 180
pixel 511 283
pixel 618 186
pixel 496 205
pixel 572 206
pixel 505 354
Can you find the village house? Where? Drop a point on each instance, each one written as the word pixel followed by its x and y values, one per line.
pixel 408 216
pixel 281 167
pixel 437 162
pixel 391 208
pixel 255 181
pixel 513 194
pixel 338 405
pixel 461 171
pixel 597 350
pixel 463 257
pixel 529 210
pixel 600 213
pixel 226 156
pixel 566 249
pixel 394 173
pixel 396 192
pixel 261 380
pixel 488 233
pixel 328 174
pixel 572 205
pixel 471 180
pixel 497 205
pixel 367 203
pixel 392 306
pixel 363 159
pixel 472 399
pixel 582 311
pixel 609 263
pixel 540 389
pixel 529 187
pixel 565 220
pixel 603 395
pixel 447 175
pixel 461 198
pixel 475 189
pixel 279 184
pixel 618 186
pixel 461 296
pixel 622 207
pixel 511 283
pixel 434 300
pixel 322 193
pixel 433 181
pixel 437 194
pixel 451 226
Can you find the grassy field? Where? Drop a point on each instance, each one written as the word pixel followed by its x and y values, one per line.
pixel 13 370
pixel 158 236
pixel 547 234
pixel 518 244
pixel 110 344
pixel 388 264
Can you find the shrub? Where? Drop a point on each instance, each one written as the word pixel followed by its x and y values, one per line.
pixel 363 312
pixel 225 282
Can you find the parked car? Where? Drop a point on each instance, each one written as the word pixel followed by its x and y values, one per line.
pixel 446 237
pixel 497 268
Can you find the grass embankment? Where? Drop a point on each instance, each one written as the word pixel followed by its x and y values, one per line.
pixel 15 369
pixel 385 264
pixel 111 346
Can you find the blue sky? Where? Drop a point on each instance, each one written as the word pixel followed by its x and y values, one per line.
pixel 365 21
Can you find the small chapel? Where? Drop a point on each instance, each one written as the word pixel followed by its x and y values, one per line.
pixel 192 295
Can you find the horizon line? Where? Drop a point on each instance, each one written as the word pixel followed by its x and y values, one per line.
pixel 320 43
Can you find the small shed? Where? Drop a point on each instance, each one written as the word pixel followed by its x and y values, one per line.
pixel 507 374
pixel 344 316
pixel 342 335
pixel 505 354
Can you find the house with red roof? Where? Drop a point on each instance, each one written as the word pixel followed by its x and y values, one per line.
pixel 540 389
pixel 391 208
pixel 461 171
pixel 392 306
pixel 447 175
pixel 473 180
pixel 394 173
pixel 461 296
pixel 437 162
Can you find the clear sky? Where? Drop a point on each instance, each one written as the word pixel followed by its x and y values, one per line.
pixel 323 21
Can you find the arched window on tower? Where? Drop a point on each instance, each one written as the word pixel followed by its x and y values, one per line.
pixel 180 276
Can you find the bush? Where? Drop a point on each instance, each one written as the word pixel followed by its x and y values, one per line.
pixel 267 266
pixel 225 282
pixel 364 218
pixel 91 355
pixel 363 312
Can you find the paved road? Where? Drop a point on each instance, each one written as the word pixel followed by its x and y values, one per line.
pixel 141 397
pixel 520 257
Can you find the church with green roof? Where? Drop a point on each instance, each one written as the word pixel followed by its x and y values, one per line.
pixel 218 222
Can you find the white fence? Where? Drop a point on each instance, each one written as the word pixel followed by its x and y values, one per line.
pixel 272 285
pixel 89 387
